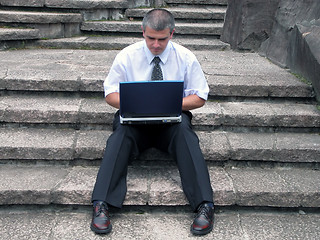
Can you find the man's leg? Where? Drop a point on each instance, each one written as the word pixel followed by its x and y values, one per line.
pixel 184 146
pixel 111 182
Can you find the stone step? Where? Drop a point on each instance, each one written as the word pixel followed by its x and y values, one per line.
pixel 31 109
pixel 207 29
pixel 28 144
pixel 228 73
pixel 198 2
pixel 193 13
pixel 68 4
pixel 49 25
pixel 157 223
pixel 120 42
pixel 13 34
pixel 39 17
pixel 160 186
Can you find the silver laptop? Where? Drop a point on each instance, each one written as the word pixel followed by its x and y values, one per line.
pixel 151 102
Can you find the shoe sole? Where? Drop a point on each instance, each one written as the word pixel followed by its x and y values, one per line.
pixel 201 232
pixel 99 231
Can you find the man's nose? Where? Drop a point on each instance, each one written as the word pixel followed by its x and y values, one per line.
pixel 156 43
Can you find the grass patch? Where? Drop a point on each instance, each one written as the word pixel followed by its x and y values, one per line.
pixel 302 79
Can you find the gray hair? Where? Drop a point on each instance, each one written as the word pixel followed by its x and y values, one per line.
pixel 159 19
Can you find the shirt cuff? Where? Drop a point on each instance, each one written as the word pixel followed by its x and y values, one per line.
pixel 200 94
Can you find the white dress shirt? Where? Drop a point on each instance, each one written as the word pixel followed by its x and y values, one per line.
pixel 134 63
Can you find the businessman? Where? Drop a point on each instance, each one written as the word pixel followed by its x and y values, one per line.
pixel 155 58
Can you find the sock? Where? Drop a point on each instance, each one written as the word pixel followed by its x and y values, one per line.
pixel 210 204
pixel 95 202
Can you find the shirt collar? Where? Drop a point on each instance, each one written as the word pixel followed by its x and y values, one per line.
pixel 163 56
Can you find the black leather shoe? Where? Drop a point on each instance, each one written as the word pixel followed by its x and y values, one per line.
pixel 203 222
pixel 100 218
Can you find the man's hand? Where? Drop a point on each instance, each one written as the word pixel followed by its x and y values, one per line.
pixel 192 102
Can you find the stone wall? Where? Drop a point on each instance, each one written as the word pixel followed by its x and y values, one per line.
pixel 248 23
pixel 285 31
pixel 304 52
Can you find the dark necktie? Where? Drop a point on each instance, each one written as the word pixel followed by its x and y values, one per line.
pixel 156 72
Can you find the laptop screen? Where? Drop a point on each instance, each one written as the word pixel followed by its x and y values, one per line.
pixel 151 99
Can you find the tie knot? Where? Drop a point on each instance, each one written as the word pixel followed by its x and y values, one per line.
pixel 156 60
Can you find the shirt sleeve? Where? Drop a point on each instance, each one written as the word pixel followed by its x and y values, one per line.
pixel 195 81
pixel 116 74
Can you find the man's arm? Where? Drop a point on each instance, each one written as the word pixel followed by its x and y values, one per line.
pixel 192 102
pixel 113 99
pixel 189 103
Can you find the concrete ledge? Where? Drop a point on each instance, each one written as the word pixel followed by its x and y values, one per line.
pixel 114 43
pixel 212 13
pixel 8 34
pixel 22 3
pixel 50 25
pixel 208 2
pixel 50 110
pixel 228 73
pixel 79 4
pixel 286 86
pixel 160 186
pixel 153 223
pixel 222 86
pixel 39 17
pixel 87 4
pixel 135 27
pixel 199 28
pixel 257 115
pixel 70 145
pixel 304 53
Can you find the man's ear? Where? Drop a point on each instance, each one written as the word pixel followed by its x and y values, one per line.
pixel 142 30
pixel 172 33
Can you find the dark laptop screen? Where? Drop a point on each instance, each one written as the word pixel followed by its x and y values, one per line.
pixel 151 99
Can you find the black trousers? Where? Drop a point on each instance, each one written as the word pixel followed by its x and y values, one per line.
pixel 129 141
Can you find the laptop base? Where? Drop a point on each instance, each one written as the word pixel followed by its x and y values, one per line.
pixel 154 120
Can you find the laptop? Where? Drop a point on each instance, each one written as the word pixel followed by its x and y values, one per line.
pixel 151 102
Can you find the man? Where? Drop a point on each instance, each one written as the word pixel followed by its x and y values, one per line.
pixel 136 63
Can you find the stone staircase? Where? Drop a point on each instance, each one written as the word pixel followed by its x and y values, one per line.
pixel 104 24
pixel 259 131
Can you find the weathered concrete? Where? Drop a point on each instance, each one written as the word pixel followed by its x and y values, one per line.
pixel 72 110
pixel 286 86
pixel 56 144
pixel 218 2
pixel 228 73
pixel 86 4
pixel 289 13
pixel 248 23
pixel 48 25
pixel 304 52
pixel 135 27
pixel 50 223
pixel 280 27
pixel 79 4
pixel 114 43
pixel 22 3
pixel 18 34
pixel 159 185
pixel 255 187
pixel 195 13
pixel 39 17
pixel 90 9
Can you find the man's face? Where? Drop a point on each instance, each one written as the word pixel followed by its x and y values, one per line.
pixel 157 40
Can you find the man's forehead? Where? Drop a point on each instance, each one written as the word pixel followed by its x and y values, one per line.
pixel 151 30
